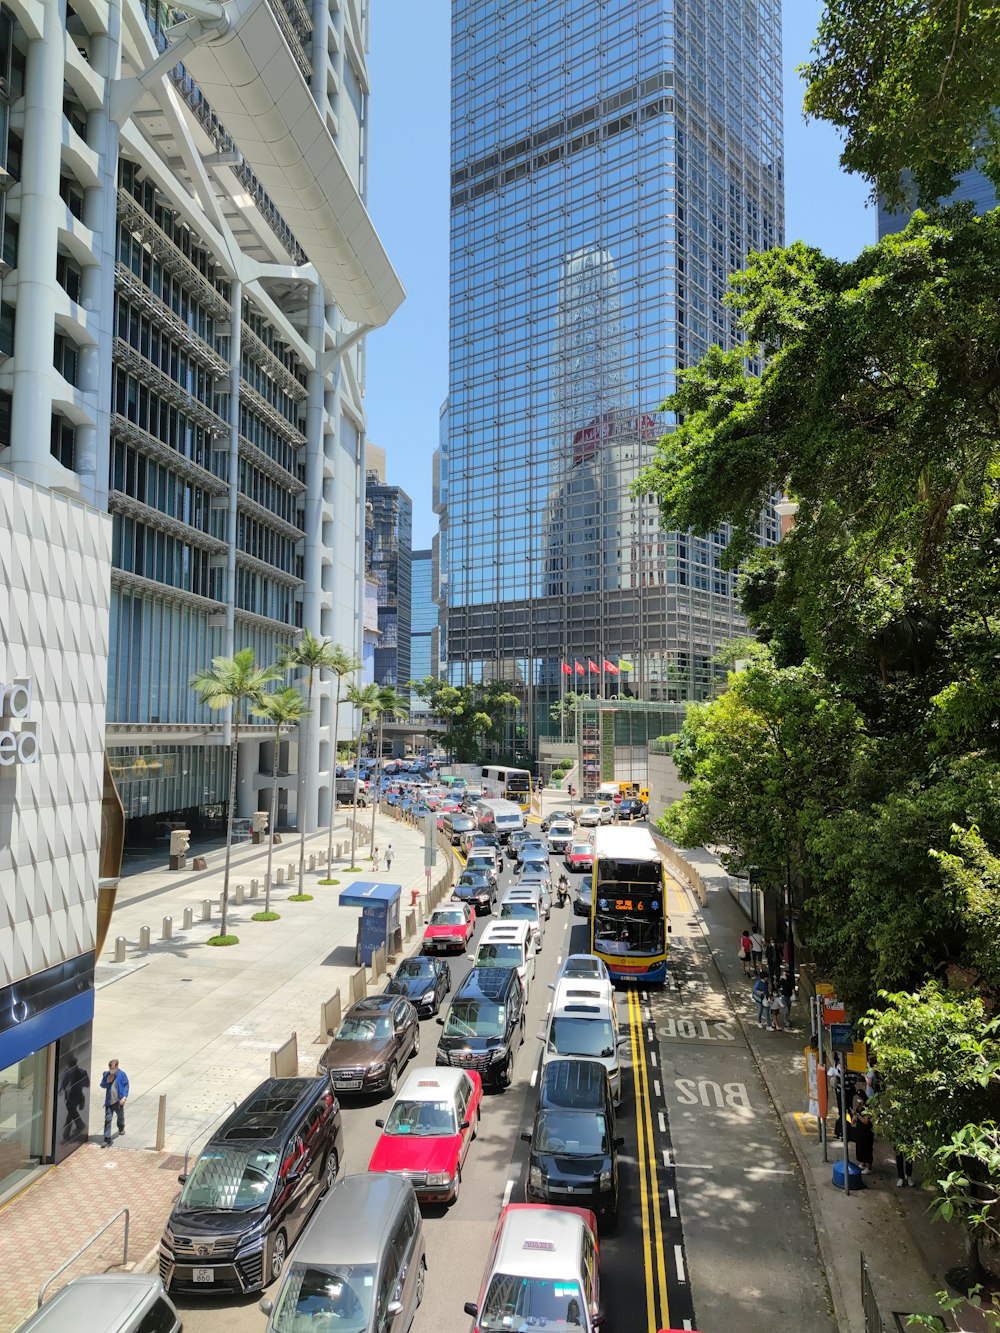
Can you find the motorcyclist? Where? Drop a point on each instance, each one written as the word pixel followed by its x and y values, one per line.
pixel 563 889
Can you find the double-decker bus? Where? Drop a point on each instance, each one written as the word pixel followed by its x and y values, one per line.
pixel 628 915
pixel 508 784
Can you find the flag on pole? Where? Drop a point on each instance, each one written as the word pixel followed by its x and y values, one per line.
pixel 579 669
pixel 567 670
pixel 610 667
pixel 623 665
pixel 592 665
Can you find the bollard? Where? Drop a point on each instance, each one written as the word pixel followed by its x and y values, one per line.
pixel 167 928
pixel 411 925
pixel 188 918
pixel 279 876
pixel 199 863
pixel 206 909
pixel 312 861
pixel 340 850
pixel 253 889
pixel 143 938
pixel 161 1122
pixel 291 871
pixel 329 1016
pixel 358 985
pixel 120 945
pixel 240 894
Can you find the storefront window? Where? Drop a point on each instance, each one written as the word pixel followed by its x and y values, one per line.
pixel 22 1118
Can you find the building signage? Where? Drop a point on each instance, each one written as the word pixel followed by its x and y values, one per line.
pixel 18 734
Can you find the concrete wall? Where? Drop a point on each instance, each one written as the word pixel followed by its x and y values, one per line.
pixel 665 787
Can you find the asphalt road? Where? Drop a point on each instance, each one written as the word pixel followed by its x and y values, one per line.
pixel 712 1214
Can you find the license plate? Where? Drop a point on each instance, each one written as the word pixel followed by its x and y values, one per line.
pixel 347 1084
pixel 203 1274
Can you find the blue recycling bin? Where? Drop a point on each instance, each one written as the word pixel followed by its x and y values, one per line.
pixel 855 1180
pixel 379 905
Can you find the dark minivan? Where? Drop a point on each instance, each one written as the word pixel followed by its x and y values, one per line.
pixel 485 1025
pixel 574 1151
pixel 252 1188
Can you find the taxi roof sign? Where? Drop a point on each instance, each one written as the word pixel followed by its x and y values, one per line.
pixel 530 1244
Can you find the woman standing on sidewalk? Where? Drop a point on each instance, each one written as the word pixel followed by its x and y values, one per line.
pixel 864 1134
pixel 746 950
pixel 761 993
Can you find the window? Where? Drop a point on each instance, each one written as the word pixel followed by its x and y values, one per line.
pixel 160 1319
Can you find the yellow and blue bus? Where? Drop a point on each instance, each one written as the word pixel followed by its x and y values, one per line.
pixel 628 914
pixel 501 783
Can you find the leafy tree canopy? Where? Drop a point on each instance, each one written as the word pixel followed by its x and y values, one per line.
pixel 913 86
pixel 474 713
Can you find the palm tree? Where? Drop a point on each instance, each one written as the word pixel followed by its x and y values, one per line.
pixel 341 664
pixel 309 655
pixel 365 699
pixel 284 708
pixel 392 704
pixel 233 682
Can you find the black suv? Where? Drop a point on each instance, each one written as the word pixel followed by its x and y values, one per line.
pixel 252 1188
pixel 485 1025
pixel 574 1152
pixel 632 808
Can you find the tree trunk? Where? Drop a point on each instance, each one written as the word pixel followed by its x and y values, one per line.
pixel 234 757
pixel 333 784
pixel 274 816
pixel 302 787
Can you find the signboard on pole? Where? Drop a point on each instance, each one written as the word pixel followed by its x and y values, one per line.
pixel 430 839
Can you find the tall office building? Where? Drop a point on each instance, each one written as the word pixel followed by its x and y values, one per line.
pixel 612 162
pixel 423 622
pixel 973 187
pixel 388 553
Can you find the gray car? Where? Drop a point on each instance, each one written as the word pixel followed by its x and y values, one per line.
pixel 360 1264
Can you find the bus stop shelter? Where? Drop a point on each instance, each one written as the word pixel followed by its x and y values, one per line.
pixel 379 905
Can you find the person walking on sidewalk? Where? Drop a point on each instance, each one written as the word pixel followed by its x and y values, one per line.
pixel 777 1008
pixel 774 961
pixel 834 1080
pixel 904 1170
pixel 114 1081
pixel 375 856
pixel 746 952
pixel 786 989
pixel 864 1135
pixel 756 948
pixel 388 858
pixel 762 995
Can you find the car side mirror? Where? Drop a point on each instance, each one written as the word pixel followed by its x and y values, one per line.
pixel 265 1306
pixel 620 1142
pixel 525 1138
pixel 465 1124
pixel 380 1124
pixel 182 1179
pixel 470 1307
pixel 600 1314
pixel 552 985
pixel 439 1021
pixel 541 1036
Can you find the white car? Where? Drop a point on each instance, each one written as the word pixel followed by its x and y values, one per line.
pixel 582 967
pixel 590 816
pixel 524 905
pixel 583 1025
pixel 559 837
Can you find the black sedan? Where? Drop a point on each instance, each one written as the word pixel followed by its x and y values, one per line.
pixel 424 981
pixel 476 888
pixel 583 896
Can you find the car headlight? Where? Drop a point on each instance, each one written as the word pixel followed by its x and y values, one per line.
pixel 440 1178
pixel 427 995
pixel 497 1053
pixel 253 1237
pixel 605 1181
pixel 378 1069
pixel 535 1177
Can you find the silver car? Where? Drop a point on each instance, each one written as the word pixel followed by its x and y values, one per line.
pixel 360 1264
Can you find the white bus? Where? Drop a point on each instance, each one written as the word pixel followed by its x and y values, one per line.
pixel 508 784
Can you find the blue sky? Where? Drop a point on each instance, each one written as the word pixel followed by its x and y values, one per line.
pixel 408 199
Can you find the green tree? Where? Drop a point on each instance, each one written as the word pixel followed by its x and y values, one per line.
pixel 341 664
pixel 564 709
pixel 912 85
pixel 474 713
pixel 390 704
pixel 235 683
pixel 282 709
pixel 310 656
pixel 365 699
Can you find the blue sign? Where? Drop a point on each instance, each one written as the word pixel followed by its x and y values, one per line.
pixel 374 929
pixel 842 1036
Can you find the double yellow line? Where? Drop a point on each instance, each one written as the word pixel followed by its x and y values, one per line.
pixel 654 1258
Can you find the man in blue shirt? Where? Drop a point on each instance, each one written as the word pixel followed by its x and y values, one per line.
pixel 114 1081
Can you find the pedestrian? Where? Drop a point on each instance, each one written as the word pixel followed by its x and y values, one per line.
pixel 388 858
pixel 745 952
pixel 756 948
pixel 774 960
pixel 375 859
pixel 114 1081
pixel 777 1008
pixel 73 1085
pixel 873 1080
pixel 834 1080
pixel 786 988
pixel 762 995
pixel 904 1169
pixel 864 1134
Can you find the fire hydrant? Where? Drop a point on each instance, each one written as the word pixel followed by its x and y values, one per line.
pixel 414 897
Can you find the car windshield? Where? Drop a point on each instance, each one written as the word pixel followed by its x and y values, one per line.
pixel 480 859
pixel 499 955
pixel 574 1133
pixel 230 1179
pixel 362 1027
pixel 582 967
pixel 517 1304
pixel 447 918
pixel 518 912
pixel 582 849
pixel 561 829
pixel 422 1119
pixel 582 1036
pixel 474 1018
pixel 416 967
pixel 477 879
pixel 335 1299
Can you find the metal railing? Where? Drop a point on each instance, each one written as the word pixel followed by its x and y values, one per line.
pixel 230 1106
pixel 122 1212
pixel 874 1319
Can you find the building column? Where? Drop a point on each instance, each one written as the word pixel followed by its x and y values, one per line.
pixel 42 211
pixel 312 591
pixel 235 351
pixel 247 765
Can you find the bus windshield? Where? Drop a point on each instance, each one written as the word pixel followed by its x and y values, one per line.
pixel 628 916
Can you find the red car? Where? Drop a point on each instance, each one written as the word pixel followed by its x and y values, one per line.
pixel 427 1133
pixel 449 927
pixel 580 856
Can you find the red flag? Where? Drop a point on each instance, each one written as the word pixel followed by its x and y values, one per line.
pixel 610 666
pixel 593 665
pixel 566 670
pixel 579 669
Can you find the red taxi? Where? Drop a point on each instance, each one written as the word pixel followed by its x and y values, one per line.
pixel 449 927
pixel 580 856
pixel 427 1133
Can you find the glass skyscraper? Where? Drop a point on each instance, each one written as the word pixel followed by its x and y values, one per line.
pixel 612 162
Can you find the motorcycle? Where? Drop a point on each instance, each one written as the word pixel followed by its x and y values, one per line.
pixel 562 890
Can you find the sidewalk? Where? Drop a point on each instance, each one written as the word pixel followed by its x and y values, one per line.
pixel 196 1024
pixel 907 1251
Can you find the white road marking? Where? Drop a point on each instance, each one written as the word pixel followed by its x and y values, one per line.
pixel 647 1015
pixel 656 1087
pixel 679 1261
pixel 559 959
pixel 644 994
pixel 534 1077
pixel 652 1058
pixel 507 1193
pixel 672 1202
pixel 652 1034
pixel 663 1123
pixel 666 1157
pixel 695 1166
pixel 768 1171
pixel 688 1324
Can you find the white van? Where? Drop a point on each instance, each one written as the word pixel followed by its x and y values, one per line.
pixel 508 944
pixel 501 818
pixel 583 1025
pixel 524 905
